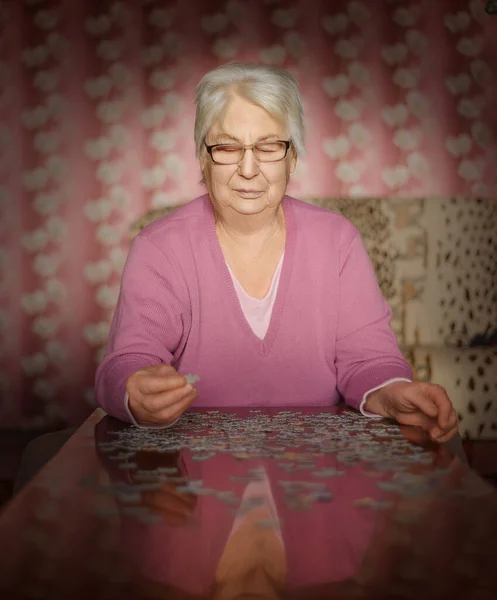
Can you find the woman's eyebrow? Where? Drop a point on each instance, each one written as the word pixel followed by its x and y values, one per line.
pixel 227 136
pixel 269 136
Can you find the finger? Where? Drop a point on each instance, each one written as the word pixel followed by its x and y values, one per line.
pixel 174 411
pixel 180 511
pixel 166 401
pixel 453 422
pixel 447 436
pixel 155 384
pixel 414 435
pixel 439 397
pixel 453 419
pixel 418 419
pixel 170 501
pixel 186 497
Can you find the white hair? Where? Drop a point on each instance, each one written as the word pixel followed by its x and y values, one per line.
pixel 272 88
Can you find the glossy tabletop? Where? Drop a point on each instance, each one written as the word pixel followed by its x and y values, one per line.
pixel 252 503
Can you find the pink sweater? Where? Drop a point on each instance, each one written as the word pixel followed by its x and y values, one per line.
pixel 323 331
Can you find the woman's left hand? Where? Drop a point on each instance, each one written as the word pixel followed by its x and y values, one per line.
pixel 417 403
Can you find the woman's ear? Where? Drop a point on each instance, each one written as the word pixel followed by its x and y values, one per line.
pixel 202 172
pixel 203 164
pixel 293 160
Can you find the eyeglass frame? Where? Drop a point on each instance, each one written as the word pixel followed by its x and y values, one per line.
pixel 287 143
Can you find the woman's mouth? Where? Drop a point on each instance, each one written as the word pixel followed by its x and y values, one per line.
pixel 249 193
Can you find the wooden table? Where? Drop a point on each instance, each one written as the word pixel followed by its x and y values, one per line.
pixel 263 502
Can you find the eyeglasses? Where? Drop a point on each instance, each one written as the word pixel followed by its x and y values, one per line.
pixel 232 154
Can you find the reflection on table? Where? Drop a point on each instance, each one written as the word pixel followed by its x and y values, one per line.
pixel 255 503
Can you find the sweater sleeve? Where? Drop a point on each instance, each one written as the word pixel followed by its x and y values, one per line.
pixel 367 352
pixel 365 412
pixel 151 316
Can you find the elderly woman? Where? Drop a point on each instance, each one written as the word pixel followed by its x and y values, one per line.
pixel 270 300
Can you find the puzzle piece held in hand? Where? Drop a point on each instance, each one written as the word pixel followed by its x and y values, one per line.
pixel 191 378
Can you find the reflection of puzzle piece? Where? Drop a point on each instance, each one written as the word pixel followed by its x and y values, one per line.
pixel 299 502
pixel 269 523
pixel 371 503
pixel 287 466
pixel 389 466
pixel 321 496
pixel 203 491
pixel 191 486
pixel 191 378
pixel 122 456
pixel 201 457
pixel 227 496
pixel 328 473
pixel 157 471
pixel 301 485
pixel 389 486
pixel 425 459
pixel 407 487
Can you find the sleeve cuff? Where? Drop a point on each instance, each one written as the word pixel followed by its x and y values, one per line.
pixel 371 415
pixel 134 422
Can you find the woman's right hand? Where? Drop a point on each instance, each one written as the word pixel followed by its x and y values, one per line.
pixel 158 395
pixel 174 507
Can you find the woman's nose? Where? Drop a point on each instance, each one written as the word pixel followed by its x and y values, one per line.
pixel 248 166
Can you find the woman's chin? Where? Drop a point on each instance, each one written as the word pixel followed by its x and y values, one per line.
pixel 256 582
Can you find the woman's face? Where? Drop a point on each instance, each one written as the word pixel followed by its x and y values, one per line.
pixel 247 123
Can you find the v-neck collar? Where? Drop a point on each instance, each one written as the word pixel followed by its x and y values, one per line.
pixel 262 346
pixel 259 301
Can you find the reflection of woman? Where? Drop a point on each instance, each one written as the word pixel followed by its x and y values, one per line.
pixel 333 550
pixel 201 550
pixel 221 555
pixel 270 300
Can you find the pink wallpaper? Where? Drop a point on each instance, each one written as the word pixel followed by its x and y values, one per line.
pixel 96 126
